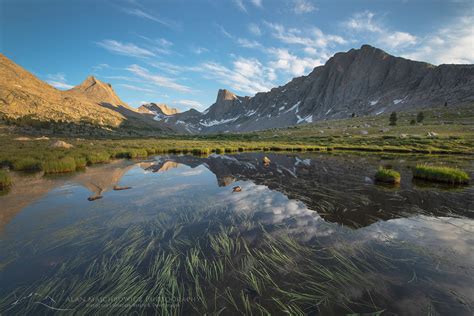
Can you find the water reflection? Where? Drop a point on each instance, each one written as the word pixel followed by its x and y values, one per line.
pixel 308 232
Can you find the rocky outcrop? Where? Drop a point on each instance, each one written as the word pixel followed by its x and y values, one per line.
pixel 365 81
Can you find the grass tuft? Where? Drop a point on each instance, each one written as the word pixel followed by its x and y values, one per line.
pixel 66 164
pixel 387 176
pixel 27 164
pixel 100 157
pixel 441 174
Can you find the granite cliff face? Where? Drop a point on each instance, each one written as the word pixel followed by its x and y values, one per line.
pixel 365 81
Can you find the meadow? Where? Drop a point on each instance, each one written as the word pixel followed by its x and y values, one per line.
pixel 443 131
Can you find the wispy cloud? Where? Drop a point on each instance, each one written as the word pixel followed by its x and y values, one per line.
pixel 451 44
pixel 58 81
pixel 243 42
pixel 366 22
pixel 157 79
pixel 303 6
pixel 363 21
pixel 199 50
pixel 224 31
pixel 247 75
pixel 142 14
pixel 254 29
pixel 100 67
pixel 312 37
pixel 292 64
pixel 126 49
pixel 190 104
pixel 240 5
pixel 136 88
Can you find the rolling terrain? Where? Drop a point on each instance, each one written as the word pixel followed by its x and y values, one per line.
pixel 26 100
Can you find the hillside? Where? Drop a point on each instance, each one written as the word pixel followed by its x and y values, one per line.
pixel 26 100
pixel 365 81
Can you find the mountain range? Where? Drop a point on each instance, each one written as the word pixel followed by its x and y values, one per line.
pixel 365 81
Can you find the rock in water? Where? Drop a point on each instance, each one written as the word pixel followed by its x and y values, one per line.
pixel 61 144
pixel 118 188
pixel 237 189
pixel 94 197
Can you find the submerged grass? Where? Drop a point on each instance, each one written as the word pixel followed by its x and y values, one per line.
pixel 387 176
pixel 441 174
pixel 215 271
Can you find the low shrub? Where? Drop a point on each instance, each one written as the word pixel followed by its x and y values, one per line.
pixel 5 180
pixel 66 164
pixel 387 176
pixel 441 174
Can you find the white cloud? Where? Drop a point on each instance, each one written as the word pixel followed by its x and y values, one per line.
pixel 257 3
pixel 243 42
pixel 451 44
pixel 190 104
pixel 303 6
pixel 127 49
pixel 156 79
pixel 363 21
pixel 142 14
pixel 224 31
pixel 100 67
pixel 312 37
pixel 136 88
pixel 398 40
pixel 58 81
pixel 255 29
pixel 199 50
pixel 240 5
pixel 248 75
pixel 292 64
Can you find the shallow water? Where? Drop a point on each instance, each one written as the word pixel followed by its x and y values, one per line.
pixel 310 233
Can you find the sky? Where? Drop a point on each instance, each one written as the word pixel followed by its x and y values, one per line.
pixel 180 52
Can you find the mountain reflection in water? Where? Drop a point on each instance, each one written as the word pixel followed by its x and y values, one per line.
pixel 311 232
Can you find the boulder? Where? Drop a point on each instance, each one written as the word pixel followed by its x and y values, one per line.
pixel 61 144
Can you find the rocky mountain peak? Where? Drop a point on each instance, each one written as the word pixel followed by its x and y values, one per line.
pixel 158 108
pixel 97 90
pixel 225 95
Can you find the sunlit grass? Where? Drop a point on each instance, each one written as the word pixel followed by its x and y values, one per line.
pixel 66 164
pixel 387 176
pixel 440 174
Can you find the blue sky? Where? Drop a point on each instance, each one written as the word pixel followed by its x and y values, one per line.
pixel 180 52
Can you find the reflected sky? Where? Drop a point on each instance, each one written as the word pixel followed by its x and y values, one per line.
pixel 295 194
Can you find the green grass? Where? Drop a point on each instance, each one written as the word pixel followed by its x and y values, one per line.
pixel 98 157
pixel 66 164
pixel 27 164
pixel 387 176
pixel 440 174
pixel 81 162
pixel 5 180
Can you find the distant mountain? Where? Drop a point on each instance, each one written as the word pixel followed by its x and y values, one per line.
pixel 158 110
pixel 365 81
pixel 27 100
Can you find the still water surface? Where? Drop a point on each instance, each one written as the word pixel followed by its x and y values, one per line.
pixel 308 234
